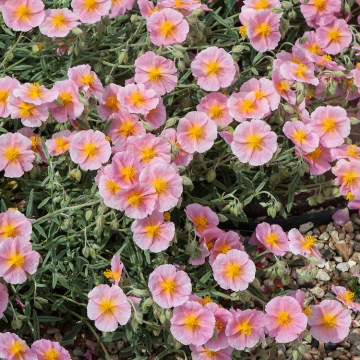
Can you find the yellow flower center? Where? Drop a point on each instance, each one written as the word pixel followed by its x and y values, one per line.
pixel 334 35
pixel 259 94
pixel 302 68
pixel 245 328
pixel 219 325
pixel 35 90
pixel 65 97
pixel 264 29
pixel 247 106
pixel 107 307
pixel 309 95
pixel 16 260
pixel 154 74
pixel 307 311
pixel 51 354
pixel 327 58
pixel 23 12
pixel 262 4
pixel 128 172
pixel 284 318
pixel 12 154
pixel 9 231
pixel 112 186
pixel 272 239
pixel 87 79
pixel 167 216
pixel 216 112
pixel 148 154
pixel 320 4
pixel 350 196
pixel 314 48
pixel 209 244
pixel 309 242
pixel 329 124
pixel 191 322
pixel 112 103
pixel 25 110
pixel 349 178
pixel 284 86
pixel 254 142
pixel 213 68
pixel 207 300
pixel 59 20
pixel 210 354
pixel 35 140
pixel 91 150
pixel 224 249
pixel 17 348
pixel 135 199
pixel 200 223
pixel 91 5
pixel 348 296
pixel 196 132
pixel 299 135
pixel 152 230
pixel 233 270
pixel 169 286
pixel 329 321
pixel 61 144
pixel 166 28
pixel 315 154
pixel 243 31
pixel 127 129
pixel 160 185
pixel 108 273
pixel 137 98
pixel 352 150
pixel 3 96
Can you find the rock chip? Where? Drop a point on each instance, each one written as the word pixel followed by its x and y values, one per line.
pixel 344 266
pixel 357 245
pixel 304 228
pixel 354 336
pixel 318 292
pixel 322 275
pixel 344 250
pixel 349 227
pixel 355 348
pixel 324 236
pixel 327 254
pixel 78 351
pixel 334 235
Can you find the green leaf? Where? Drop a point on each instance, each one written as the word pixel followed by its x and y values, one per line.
pixel 48 319
pixel 29 208
pixel 68 339
pixel 36 326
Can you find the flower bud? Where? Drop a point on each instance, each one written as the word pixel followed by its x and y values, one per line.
pixel 16 324
pixel 86 251
pixel 75 174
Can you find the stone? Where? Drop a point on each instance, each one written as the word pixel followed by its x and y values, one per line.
pixel 354 336
pixel 318 292
pixel 351 263
pixel 355 219
pixel 78 351
pixel 320 245
pixel 355 257
pixel 112 347
pixel 307 356
pixel 329 227
pixel 349 227
pixel 327 254
pixel 355 348
pixel 331 246
pixel 331 346
pixel 52 331
pixel 357 237
pixel 304 228
pixel 328 358
pixel 334 235
pixel 335 354
pixel 58 337
pixel 322 275
pixel 324 236
pixel 344 250
pixel 343 357
pixel 338 259
pixel 357 245
pixel 344 266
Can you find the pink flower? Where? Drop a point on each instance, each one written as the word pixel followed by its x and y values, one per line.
pixel 86 79
pixel 23 15
pixel 284 319
pixel 17 259
pixel 90 11
pixel 254 142
pixel 201 353
pixel 263 89
pixel 116 269
pixel 153 233
pixel 31 115
pixel 119 7
pixel 16 155
pixel 109 186
pixel 36 143
pixel 169 287
pixel 346 151
pixel 224 243
pixel 214 68
pixel 46 350
pixel 109 307
pixel 303 245
pixel 233 270
pixel 334 37
pixel 155 72
pixel 214 105
pixel 347 176
pixel 196 132
pixel 302 72
pixel 192 324
pixel 4 299
pixel 346 297
pixel 167 183
pixel 59 142
pixel 245 329
pixel 222 317
pixel 330 322
pixel 137 99
pixel 167 27
pixel 58 22
pixel 14 224
pixel 244 106
pixel 319 160
pixel 301 135
pixel 123 126
pixel 273 238
pixel 35 93
pixel 126 169
pixel 157 116
pixel 147 147
pixel 184 6
pixel 13 348
pixel 314 10
pixel 137 201
pixel 69 97
pixel 263 30
pixel 146 8
pixel 89 149
pixel 202 217
pixel 283 87
pixel 110 102
pixel 331 124
pixel 7 85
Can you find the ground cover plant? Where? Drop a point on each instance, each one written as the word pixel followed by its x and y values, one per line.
pixel 135 137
